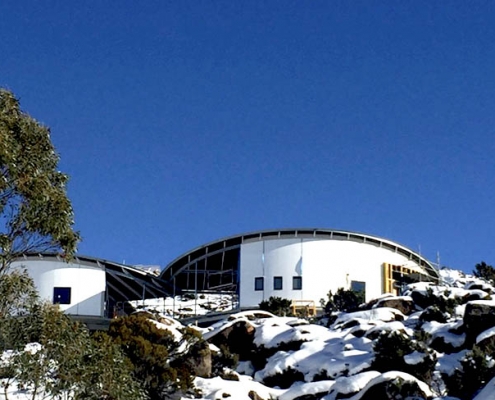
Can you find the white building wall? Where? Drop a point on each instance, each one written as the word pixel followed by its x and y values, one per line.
pixel 323 265
pixel 87 284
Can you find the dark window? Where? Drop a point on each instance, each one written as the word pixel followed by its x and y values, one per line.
pixel 277 283
pixel 61 295
pixel 360 288
pixel 296 282
pixel 258 283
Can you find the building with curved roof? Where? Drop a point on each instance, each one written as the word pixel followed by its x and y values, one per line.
pixel 298 264
pixel 88 286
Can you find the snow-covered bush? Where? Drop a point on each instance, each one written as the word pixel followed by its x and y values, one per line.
pixel 396 351
pixel 163 359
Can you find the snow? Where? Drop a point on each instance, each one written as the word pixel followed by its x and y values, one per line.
pixel 396 326
pixel 182 307
pixel 385 314
pixel 414 358
pixel 436 329
pixel 488 392
pixel 485 335
pixel 328 357
pixel 218 388
pixel 392 375
pixel 448 363
pixel 334 362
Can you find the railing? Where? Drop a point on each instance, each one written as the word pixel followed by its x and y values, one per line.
pixel 303 308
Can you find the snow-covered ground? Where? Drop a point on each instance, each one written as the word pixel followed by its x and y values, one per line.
pixel 188 306
pixel 328 362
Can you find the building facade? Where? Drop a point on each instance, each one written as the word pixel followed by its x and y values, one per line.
pixel 88 286
pixel 302 265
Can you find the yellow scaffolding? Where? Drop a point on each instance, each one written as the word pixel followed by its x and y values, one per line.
pixel 304 308
pixel 391 284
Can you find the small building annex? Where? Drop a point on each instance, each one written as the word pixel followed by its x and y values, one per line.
pixel 89 286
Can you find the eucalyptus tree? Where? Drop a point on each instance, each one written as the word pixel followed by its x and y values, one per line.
pixel 35 212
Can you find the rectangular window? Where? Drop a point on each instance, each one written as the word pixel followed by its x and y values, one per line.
pixel 258 283
pixel 61 295
pixel 277 283
pixel 297 283
pixel 360 289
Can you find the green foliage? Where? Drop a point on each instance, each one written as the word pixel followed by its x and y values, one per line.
pixel 397 389
pixel 485 271
pixel 54 356
pixel 224 359
pixel 441 302
pixel 154 353
pixel 107 373
pixel 477 369
pixel 343 300
pixel 35 213
pixel 277 306
pixel 18 309
pixel 390 350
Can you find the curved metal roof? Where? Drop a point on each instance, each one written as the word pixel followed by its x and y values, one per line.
pixel 236 241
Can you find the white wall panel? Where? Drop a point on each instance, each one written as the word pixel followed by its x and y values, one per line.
pixel 323 264
pixel 87 284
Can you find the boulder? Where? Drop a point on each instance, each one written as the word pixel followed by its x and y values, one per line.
pixel 478 317
pixel 201 360
pixel 237 337
pixel 254 396
pixel 396 385
pixel 404 304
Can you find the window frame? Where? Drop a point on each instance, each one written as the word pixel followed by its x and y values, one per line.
pixel 64 295
pixel 257 280
pixel 276 281
pixel 297 283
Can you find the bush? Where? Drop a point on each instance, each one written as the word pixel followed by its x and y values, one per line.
pixel 391 348
pixel 162 364
pixel 485 271
pixel 277 306
pixel 62 358
pixel 343 300
pixel 477 369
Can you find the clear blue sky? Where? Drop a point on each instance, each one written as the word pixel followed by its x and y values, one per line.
pixel 181 122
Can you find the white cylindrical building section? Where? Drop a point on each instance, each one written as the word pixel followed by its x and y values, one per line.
pixel 308 268
pixel 79 289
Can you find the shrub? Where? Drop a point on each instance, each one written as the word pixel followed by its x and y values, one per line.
pixel 162 364
pixel 277 306
pixel 147 348
pixel 343 300
pixel 391 348
pixel 485 271
pixel 477 369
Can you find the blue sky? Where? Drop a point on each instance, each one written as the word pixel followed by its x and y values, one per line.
pixel 181 122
